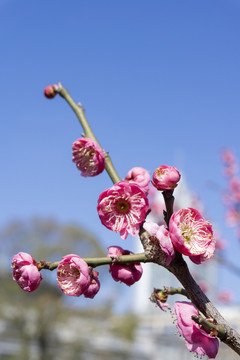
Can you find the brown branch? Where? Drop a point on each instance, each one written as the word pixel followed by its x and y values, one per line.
pixel 179 268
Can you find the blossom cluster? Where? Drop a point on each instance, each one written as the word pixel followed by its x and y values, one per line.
pixel 231 196
pixel 74 276
pixel 123 208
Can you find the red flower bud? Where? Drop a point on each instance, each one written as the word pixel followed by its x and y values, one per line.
pixel 50 91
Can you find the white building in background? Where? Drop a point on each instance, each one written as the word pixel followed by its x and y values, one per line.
pixel 155 276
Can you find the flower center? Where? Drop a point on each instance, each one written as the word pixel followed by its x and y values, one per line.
pixel 123 206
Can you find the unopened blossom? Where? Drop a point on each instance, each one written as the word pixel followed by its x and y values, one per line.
pixel 126 273
pixel 162 234
pixel 25 271
pixel 140 176
pixel 50 91
pixel 192 235
pixel 123 208
pixel 197 340
pixel 165 177
pixel 88 157
pixel 73 275
pixel 94 286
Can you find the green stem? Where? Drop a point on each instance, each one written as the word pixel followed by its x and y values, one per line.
pixel 94 262
pixel 79 111
pixel 176 291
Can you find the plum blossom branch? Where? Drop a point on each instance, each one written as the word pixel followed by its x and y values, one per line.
pixel 79 111
pixel 179 268
pixel 186 231
pixel 94 262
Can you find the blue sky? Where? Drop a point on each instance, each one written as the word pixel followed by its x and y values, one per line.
pixel 160 84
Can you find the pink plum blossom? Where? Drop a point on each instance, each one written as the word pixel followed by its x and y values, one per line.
pixel 73 275
pixel 25 271
pixel 225 296
pixel 123 208
pixel 165 177
pixel 88 156
pixel 197 340
pixel 162 234
pixel 140 176
pixel 126 273
pixel 203 285
pixel 192 235
pixel 228 157
pixel 94 286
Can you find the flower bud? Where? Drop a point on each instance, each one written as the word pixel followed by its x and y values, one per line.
pixel 126 273
pixel 25 271
pixel 165 178
pixel 162 235
pixel 94 286
pixel 141 177
pixel 88 157
pixel 50 91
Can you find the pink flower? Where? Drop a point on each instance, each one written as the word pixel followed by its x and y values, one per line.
pixel 123 208
pixel 228 156
pixel 203 285
pixel 88 156
pixel 225 296
pixel 140 176
pixel 197 340
pixel 162 234
pixel 192 235
pixel 94 286
pixel 73 275
pixel 50 91
pixel 129 273
pixel 25 272
pixel 165 177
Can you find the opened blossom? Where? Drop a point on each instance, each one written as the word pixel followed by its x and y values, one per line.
pixel 88 156
pixel 123 208
pixel 73 275
pixel 165 177
pixel 126 273
pixel 25 271
pixel 197 340
pixel 192 235
pixel 162 235
pixel 140 176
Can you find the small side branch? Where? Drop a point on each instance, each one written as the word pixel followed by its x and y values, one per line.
pixel 94 262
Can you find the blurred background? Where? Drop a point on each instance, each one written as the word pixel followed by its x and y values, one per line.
pixel 159 81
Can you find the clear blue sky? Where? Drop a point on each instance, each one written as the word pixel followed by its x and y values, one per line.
pixel 160 82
